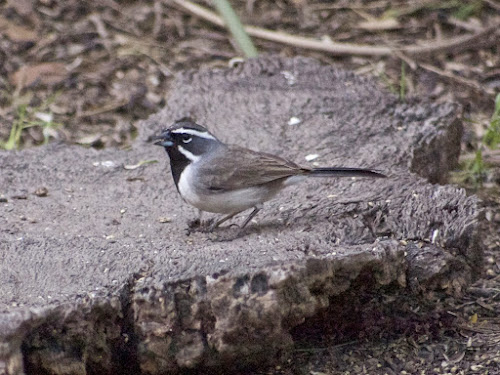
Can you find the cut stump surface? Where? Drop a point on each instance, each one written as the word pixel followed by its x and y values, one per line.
pixel 98 274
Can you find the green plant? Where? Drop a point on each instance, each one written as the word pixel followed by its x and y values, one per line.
pixel 402 82
pixel 236 28
pixel 390 83
pixel 27 117
pixel 492 136
pixel 468 9
pixel 387 81
pixel 476 169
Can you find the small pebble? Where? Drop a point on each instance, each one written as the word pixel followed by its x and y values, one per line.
pixel 294 121
pixel 488 215
pixel 41 191
pixel 311 157
pixel 111 238
pixel 490 272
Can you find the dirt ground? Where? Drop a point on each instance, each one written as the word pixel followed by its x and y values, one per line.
pixel 86 71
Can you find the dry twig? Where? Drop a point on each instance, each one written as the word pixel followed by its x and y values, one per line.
pixel 475 86
pixel 453 45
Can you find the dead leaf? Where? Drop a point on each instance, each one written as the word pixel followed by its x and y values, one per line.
pixel 140 164
pixel 380 24
pixel 17 33
pixel 473 319
pixel 91 140
pixel 46 73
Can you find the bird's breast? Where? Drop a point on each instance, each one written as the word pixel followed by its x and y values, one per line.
pixel 221 201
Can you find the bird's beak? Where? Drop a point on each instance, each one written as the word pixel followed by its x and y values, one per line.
pixel 164 139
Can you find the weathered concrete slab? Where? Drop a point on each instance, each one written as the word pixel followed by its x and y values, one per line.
pixel 94 279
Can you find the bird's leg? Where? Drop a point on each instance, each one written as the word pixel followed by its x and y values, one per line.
pixel 196 223
pixel 224 219
pixel 247 220
pixel 251 216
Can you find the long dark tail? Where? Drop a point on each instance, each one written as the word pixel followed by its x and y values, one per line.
pixel 344 172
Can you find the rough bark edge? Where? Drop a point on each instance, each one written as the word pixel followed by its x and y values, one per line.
pixel 188 324
pixel 242 321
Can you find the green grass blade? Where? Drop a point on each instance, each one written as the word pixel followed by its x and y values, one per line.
pixel 236 28
pixel 492 136
pixel 402 82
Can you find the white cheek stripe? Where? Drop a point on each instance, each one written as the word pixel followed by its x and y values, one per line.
pixel 196 133
pixel 188 154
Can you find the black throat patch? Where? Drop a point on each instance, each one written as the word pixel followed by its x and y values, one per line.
pixel 178 162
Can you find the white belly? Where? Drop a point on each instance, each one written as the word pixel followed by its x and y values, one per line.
pixel 222 202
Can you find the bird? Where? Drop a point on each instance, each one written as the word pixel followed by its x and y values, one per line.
pixel 228 179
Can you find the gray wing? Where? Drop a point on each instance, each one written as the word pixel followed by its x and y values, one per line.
pixel 236 167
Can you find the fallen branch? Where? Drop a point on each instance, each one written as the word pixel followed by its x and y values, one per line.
pixel 280 37
pixel 454 45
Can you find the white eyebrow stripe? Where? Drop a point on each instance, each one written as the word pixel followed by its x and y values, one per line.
pixel 196 133
pixel 188 154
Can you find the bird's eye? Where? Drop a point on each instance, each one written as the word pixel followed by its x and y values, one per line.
pixel 186 138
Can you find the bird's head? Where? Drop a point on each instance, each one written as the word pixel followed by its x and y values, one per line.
pixel 186 140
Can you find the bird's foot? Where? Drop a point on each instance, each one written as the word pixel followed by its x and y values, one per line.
pixel 194 224
pixel 197 225
pixel 226 233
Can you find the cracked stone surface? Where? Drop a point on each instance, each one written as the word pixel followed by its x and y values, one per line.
pixel 101 276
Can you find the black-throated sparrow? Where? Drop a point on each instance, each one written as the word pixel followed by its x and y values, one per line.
pixel 229 179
